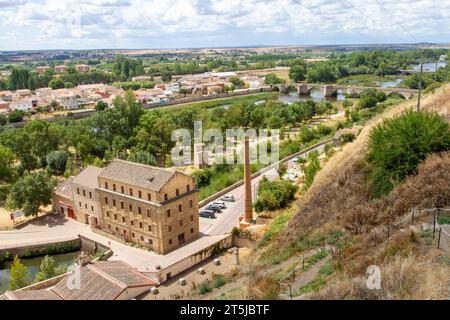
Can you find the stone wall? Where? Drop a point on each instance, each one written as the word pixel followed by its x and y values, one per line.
pixel 190 261
pixel 43 248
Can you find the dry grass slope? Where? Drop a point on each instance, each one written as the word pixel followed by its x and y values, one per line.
pixel 339 200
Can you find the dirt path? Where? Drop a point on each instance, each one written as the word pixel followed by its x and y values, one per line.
pixel 305 278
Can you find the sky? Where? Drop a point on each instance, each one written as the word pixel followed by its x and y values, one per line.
pixel 136 24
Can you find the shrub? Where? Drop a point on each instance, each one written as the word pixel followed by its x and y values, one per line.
pixel 329 150
pixel 397 146
pixel 204 287
pixel 219 280
pixel 274 195
pixel 370 98
pixel 347 137
pixel 311 169
pixel 16 116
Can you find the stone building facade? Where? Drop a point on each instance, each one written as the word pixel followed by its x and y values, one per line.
pixel 153 207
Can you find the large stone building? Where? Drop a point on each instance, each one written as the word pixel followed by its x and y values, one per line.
pixel 153 207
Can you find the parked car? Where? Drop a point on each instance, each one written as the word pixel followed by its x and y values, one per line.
pixel 219 203
pixel 207 214
pixel 214 208
pixel 228 198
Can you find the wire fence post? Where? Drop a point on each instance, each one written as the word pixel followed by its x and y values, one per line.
pixel 303 264
pixel 439 238
pixel 434 224
pixel 290 291
pixel 412 217
pixel 389 232
pixel 323 241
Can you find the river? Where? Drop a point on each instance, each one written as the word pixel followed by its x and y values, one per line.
pixel 289 98
pixel 430 66
pixel 33 266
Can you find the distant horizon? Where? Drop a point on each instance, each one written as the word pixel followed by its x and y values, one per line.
pixel 187 24
pixel 228 46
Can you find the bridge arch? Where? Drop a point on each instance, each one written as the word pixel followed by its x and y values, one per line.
pixel 397 95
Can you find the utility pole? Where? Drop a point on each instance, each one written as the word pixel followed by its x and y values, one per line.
pixel 435 70
pixel 421 72
pixel 420 80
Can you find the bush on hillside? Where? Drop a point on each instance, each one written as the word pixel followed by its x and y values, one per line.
pixel 347 137
pixel 370 98
pixel 398 145
pixel 311 169
pixel 273 195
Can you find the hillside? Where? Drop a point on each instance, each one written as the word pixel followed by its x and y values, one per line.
pixel 339 200
pixel 338 230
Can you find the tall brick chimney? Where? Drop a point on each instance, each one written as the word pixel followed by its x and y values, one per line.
pixel 248 209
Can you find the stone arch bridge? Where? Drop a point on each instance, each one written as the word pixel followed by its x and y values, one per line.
pixel 330 90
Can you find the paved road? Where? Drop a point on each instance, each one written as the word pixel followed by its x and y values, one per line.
pixel 229 217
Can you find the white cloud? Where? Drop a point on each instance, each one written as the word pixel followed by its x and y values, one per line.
pixel 144 23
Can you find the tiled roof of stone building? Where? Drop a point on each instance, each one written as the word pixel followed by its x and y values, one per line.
pixel 137 174
pixel 101 280
pixel 88 177
pixel 65 188
pixel 41 294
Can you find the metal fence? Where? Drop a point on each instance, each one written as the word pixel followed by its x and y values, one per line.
pixel 415 214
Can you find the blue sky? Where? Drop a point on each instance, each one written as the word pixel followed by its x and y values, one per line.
pixel 90 24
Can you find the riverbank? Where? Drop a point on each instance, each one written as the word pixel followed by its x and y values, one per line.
pixel 32 264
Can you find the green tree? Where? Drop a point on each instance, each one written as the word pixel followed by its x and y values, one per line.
pixel 154 134
pixel 166 76
pixel 19 275
pixel 30 193
pixel 48 269
pixel 3 120
pixel 272 78
pixel 297 71
pixel 322 72
pixel 142 157
pixel 100 106
pixel 56 83
pixel 16 116
pixel 184 91
pixel 56 161
pixel 7 170
pixel 125 68
pixel 237 82
pixel 20 78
